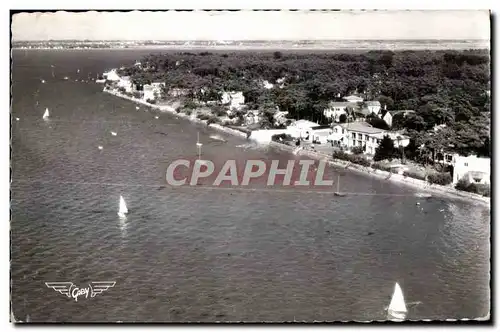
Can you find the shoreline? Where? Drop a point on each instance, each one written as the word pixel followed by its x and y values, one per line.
pixel 421 185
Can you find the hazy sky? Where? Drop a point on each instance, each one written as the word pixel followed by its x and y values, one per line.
pixel 252 25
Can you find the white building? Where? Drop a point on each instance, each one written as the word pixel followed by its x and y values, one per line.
pixel 111 75
pixel 125 83
pixel 320 135
pixel 336 109
pixel 373 106
pixel 152 91
pixel 267 85
pixel 280 118
pixel 234 99
pixel 301 128
pixel 353 99
pixel 349 135
pixel 388 116
pixel 472 168
pixel 399 140
pixel 177 92
pixel 252 117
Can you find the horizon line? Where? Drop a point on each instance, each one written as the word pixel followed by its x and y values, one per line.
pixel 248 40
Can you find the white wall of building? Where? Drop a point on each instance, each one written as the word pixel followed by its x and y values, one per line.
pixel 463 165
pixel 265 136
pixel 234 99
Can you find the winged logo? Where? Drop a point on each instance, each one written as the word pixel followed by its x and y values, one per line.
pixel 62 287
pixel 70 290
pixel 98 287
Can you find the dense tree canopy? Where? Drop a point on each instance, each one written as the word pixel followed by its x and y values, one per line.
pixel 443 87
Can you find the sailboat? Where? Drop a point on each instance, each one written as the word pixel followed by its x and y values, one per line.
pixel 123 208
pixel 46 114
pixel 199 145
pixel 397 308
pixel 338 192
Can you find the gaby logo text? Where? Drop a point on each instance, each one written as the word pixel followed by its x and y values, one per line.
pixel 72 291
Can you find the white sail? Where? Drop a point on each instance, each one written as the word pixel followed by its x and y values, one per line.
pixel 46 114
pixel 397 308
pixel 199 145
pixel 123 208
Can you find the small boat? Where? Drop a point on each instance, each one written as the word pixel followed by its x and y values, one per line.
pixel 17 119
pixel 137 107
pixel 122 211
pixel 66 78
pixel 397 307
pixel 46 114
pixel 157 117
pixel 43 81
pixel 423 195
pixel 100 147
pixel 113 133
pixel 338 192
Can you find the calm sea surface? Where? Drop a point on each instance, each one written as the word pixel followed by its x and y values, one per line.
pixel 195 254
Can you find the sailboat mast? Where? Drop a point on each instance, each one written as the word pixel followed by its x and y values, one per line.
pixel 198 145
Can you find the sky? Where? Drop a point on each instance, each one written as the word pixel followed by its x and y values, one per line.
pixel 248 25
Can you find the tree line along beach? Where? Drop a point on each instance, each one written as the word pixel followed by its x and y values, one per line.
pixel 418 114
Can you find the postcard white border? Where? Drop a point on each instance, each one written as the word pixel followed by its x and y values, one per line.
pixel 181 4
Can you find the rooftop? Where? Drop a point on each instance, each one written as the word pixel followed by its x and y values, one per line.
pixel 353 97
pixel 373 103
pixel 341 104
pixel 401 111
pixel 304 124
pixel 362 127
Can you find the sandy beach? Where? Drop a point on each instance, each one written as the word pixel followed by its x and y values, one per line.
pixel 421 185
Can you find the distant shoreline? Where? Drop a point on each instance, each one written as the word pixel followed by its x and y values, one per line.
pixel 333 45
